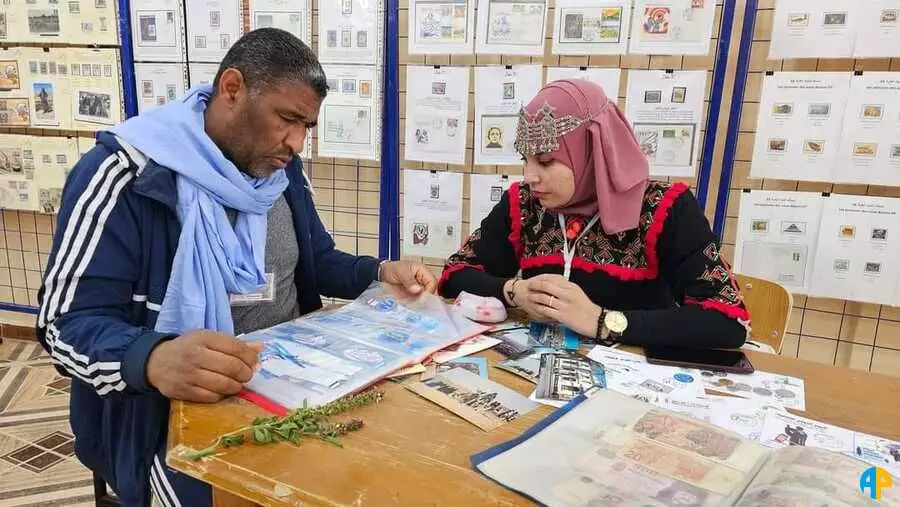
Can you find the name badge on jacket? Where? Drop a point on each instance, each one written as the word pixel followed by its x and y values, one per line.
pixel 264 295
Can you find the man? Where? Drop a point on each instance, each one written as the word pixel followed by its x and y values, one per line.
pixel 181 228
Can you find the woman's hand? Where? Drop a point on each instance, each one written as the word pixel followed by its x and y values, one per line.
pixel 521 299
pixel 553 298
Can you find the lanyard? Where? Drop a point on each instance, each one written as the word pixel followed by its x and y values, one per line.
pixel 569 253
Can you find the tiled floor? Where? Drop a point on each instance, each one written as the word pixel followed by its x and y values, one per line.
pixel 37 466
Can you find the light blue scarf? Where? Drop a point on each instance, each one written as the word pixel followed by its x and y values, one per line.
pixel 213 259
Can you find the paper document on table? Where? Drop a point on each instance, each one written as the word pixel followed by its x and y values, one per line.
pixel 471 346
pixel 799 126
pixel 672 27
pixel 767 388
pixel 632 375
pixel 511 27
pixel 591 27
pixel 666 109
pixel 778 232
pixel 432 213
pixel 819 29
pixel 502 91
pixel 869 150
pixel 437 109
pixel 608 79
pixel 859 245
pixel 782 429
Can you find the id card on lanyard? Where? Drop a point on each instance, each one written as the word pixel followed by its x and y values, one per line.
pixel 569 252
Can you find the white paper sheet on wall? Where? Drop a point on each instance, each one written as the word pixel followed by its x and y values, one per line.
pixel 511 28
pixel 485 191
pixel 437 111
pixel 777 236
pixel 666 109
pixel 672 27
pixel 202 73
pixel 348 31
pixel 292 16
pixel 869 151
pixel 591 27
pixel 878 30
pixel 858 251
pixel 157 30
pixel 441 26
pixel 212 27
pixel 799 126
pixel 814 29
pixel 502 91
pixel 85 22
pixel 349 123
pixel 159 83
pixel 33 170
pixel 608 79
pixel 432 213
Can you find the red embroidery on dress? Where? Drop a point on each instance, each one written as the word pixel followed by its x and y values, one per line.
pixel 515 218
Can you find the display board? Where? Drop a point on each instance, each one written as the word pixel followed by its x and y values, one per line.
pixel 796 100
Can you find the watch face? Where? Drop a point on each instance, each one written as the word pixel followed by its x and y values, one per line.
pixel 616 322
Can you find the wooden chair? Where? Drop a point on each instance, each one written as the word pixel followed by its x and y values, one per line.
pixel 769 304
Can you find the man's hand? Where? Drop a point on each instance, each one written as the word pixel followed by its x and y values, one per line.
pixel 202 366
pixel 558 300
pixel 414 278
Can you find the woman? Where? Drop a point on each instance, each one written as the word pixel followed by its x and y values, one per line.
pixel 602 250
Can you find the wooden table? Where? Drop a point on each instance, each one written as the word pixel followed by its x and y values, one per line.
pixel 413 452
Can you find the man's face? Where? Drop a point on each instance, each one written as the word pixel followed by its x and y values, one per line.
pixel 267 127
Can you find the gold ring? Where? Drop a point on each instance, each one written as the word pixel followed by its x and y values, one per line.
pixel 550 303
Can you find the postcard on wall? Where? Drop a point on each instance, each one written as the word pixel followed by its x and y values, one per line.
pixel 878 28
pixel 869 150
pixel 820 29
pixel 608 79
pixel 159 83
pixel 585 27
pixel 441 26
pixel 212 27
pixel 511 27
pixel 672 27
pixel 777 237
pixel 666 109
pixel 432 213
pixel 485 192
pixel 502 91
pixel 859 244
pixel 482 402
pixel 292 16
pixel 156 30
pixel 437 110
pixel 348 32
pixel 799 126
pixel 350 124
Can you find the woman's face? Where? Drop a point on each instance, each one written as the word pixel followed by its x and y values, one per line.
pixel 552 182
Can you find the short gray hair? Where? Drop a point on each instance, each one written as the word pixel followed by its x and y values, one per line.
pixel 270 57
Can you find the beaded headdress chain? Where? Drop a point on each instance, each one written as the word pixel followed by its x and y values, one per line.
pixel 542 136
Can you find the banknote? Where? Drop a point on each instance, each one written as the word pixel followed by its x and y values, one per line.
pixel 682 466
pixel 686 434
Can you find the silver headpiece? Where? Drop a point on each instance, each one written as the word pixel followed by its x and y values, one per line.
pixel 542 136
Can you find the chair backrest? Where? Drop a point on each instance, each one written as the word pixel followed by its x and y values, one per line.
pixel 769 304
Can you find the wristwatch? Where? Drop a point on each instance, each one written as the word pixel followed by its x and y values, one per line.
pixel 615 324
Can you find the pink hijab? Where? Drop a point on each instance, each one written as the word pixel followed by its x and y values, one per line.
pixel 611 173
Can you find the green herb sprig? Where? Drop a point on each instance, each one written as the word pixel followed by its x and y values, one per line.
pixel 297 424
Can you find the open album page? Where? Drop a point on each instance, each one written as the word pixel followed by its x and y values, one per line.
pixel 614 450
pixel 799 475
